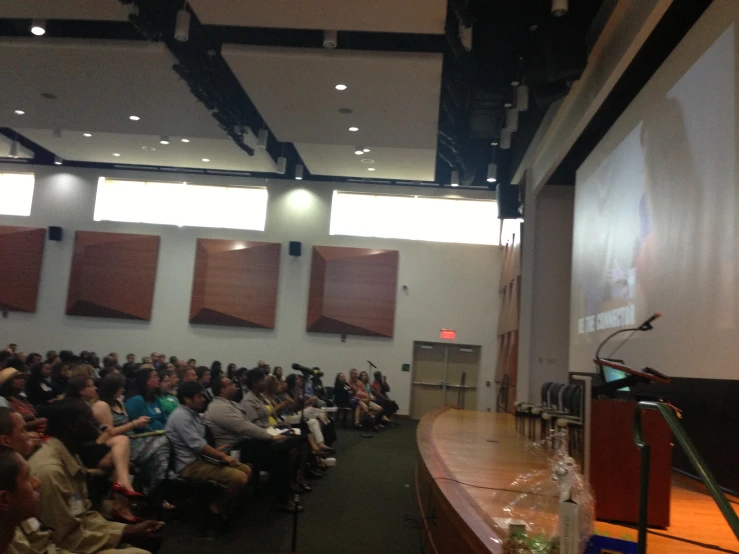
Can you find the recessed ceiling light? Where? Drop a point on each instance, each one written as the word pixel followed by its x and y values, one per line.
pixel 38 27
pixel 359 151
pixel 354 129
pixel 134 117
pixel 57 160
pixel 86 135
pixel 370 169
pixel 340 87
pixel 164 140
pixel 366 150
pixel 148 148
pixel 455 184
pixel 19 112
pixel 185 140
pixel 205 160
pixel 116 154
pixel 367 161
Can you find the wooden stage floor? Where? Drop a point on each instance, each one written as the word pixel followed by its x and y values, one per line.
pixel 468 453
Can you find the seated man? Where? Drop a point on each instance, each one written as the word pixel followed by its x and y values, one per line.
pixel 14 433
pixel 186 433
pixel 64 505
pixel 277 454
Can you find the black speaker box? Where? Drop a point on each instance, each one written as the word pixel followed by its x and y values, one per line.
pixel 296 248
pixel 55 233
pixel 507 196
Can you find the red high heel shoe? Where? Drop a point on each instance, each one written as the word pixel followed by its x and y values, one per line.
pixel 115 514
pixel 117 487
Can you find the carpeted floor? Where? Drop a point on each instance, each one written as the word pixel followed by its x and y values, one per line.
pixel 356 508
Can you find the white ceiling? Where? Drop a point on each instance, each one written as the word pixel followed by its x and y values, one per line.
pixel 394 98
pixel 398 16
pixel 98 85
pixel 95 10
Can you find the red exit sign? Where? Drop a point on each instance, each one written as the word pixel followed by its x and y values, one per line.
pixel 448 334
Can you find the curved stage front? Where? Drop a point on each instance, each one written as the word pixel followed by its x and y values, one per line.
pixel 464 455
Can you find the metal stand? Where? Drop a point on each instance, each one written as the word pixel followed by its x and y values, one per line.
pixel 303 439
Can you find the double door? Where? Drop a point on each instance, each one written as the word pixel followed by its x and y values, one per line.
pixel 444 375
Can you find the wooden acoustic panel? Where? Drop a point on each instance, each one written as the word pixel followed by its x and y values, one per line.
pixel 235 283
pixel 21 253
pixel 113 275
pixel 353 291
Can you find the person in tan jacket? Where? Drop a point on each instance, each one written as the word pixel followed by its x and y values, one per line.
pixel 64 505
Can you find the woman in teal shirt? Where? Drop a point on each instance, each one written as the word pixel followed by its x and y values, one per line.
pixel 146 402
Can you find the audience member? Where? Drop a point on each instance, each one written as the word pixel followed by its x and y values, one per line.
pixel 39 387
pixel 33 359
pixel 64 505
pixel 14 433
pixel 277 372
pixel 190 375
pixel 264 366
pixel 230 372
pixel 192 363
pixel 149 452
pixel 186 433
pixel 12 389
pixel 145 400
pixel 365 405
pixel 380 388
pixel 231 429
pixel 59 376
pixel 203 374
pixel 167 390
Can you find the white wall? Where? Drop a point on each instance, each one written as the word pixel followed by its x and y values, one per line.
pixel 449 285
pixel 548 356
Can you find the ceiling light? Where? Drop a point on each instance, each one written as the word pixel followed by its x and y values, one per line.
pixel 262 138
pixel 370 169
pixel 454 181
pixel 494 143
pixel 19 112
pixel 511 119
pixel 366 150
pixel 358 151
pixel 299 172
pixel 38 27
pixel 134 117
pixel 354 129
pixel 559 8
pixel 340 87
pixel 367 161
pixel 515 83
pixel 182 26
pixel 86 135
pixel 281 165
pixel 330 39
pixel 57 160
pixel 205 160
pixel 505 139
pixel 185 140
pixel 492 173
pixel 13 149
pixel 116 154
pixel 164 140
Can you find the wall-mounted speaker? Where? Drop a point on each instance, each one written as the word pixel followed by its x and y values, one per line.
pixel 55 233
pixel 296 248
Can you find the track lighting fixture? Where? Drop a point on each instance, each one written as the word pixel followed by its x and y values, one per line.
pixel 454 181
pixel 13 149
pixel 522 98
pixel 492 173
pixel 299 172
pixel 330 39
pixel 511 120
pixel 505 139
pixel 182 26
pixel 57 160
pixel 163 140
pixel 281 165
pixel 262 138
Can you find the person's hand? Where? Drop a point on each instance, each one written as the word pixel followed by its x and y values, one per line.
pixel 104 436
pixel 233 462
pixel 278 438
pixel 142 421
pixel 144 530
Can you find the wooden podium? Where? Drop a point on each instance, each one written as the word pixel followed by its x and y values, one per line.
pixel 615 463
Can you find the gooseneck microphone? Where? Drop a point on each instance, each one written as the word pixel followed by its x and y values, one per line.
pixel 646 326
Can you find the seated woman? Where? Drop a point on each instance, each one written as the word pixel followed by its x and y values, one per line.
pixel 145 400
pixel 59 376
pixel 380 388
pixel 149 453
pixel 167 387
pixel 365 402
pixel 107 451
pixel 12 389
pixel 39 388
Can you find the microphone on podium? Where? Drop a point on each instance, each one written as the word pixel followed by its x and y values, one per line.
pixel 647 325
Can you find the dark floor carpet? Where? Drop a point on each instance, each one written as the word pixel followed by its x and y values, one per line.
pixel 357 507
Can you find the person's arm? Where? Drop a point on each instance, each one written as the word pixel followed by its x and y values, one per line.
pixel 74 528
pixel 190 435
pixel 233 421
pixel 104 415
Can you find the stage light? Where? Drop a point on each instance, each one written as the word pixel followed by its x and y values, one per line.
pixel 299 172
pixel 522 98
pixel 340 87
pixel 330 39
pixel 164 140
pixel 262 138
pixel 559 8
pixel 281 165
pixel 492 173
pixel 511 120
pixel 57 160
pixel 38 27
pixel 454 181
pixel 505 139
pixel 182 26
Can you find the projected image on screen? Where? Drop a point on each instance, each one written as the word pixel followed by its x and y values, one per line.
pixel 654 215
